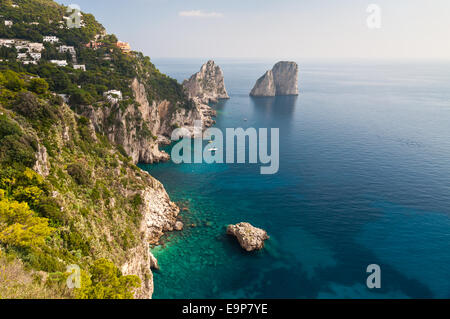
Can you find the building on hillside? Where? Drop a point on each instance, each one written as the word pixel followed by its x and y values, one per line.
pixel 35 56
pixel 113 96
pixel 51 39
pixel 22 56
pixel 36 47
pixel 65 48
pixel 59 62
pixel 65 97
pixel 22 47
pixel 79 67
pixel 93 45
pixel 124 46
pixel 8 23
pixel 29 62
pixel 7 42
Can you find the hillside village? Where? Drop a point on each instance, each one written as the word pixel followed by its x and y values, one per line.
pixel 31 53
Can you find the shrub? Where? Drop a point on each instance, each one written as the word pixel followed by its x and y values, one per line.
pixel 12 81
pixel 107 282
pixel 19 227
pixel 28 105
pixel 38 86
pixel 78 173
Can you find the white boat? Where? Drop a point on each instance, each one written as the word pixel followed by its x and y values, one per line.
pixel 213 149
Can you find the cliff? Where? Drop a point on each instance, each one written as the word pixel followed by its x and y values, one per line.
pixel 141 127
pixel 281 80
pixel 70 166
pixel 97 202
pixel 207 85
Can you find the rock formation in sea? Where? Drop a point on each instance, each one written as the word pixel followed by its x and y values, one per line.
pixel 207 85
pixel 281 80
pixel 249 237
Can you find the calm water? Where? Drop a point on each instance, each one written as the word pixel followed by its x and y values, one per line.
pixel 364 179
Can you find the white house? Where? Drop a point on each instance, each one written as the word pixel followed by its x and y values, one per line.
pixel 65 48
pixel 22 56
pixel 8 23
pixel 80 67
pixel 65 97
pixel 51 38
pixel 7 42
pixel 59 62
pixel 29 62
pixel 35 56
pixel 113 96
pixel 36 47
pixel 22 47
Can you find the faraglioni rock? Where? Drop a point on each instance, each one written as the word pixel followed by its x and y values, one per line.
pixel 250 238
pixel 207 85
pixel 281 80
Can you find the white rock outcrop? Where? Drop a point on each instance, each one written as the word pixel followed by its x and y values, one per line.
pixel 281 80
pixel 250 238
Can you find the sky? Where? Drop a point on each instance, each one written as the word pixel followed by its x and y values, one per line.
pixel 282 29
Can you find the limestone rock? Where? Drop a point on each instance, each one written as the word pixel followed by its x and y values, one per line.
pixel 250 238
pixel 281 80
pixel 124 126
pixel 207 85
pixel 178 226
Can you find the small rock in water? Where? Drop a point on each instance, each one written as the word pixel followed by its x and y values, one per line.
pixel 250 238
pixel 153 262
pixel 178 226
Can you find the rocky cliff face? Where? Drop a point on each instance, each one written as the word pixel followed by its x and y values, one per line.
pixel 141 128
pixel 281 80
pixel 158 216
pixel 207 85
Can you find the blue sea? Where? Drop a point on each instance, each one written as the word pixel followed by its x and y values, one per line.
pixel 364 179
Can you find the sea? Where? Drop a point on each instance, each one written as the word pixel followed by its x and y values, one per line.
pixel 364 179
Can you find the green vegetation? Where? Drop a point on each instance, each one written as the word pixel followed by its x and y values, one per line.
pixel 107 282
pixel 83 207
pixel 63 218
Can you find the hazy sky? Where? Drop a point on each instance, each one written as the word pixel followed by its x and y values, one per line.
pixel 279 29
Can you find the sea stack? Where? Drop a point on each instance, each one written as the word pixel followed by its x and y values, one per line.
pixel 249 237
pixel 281 80
pixel 207 85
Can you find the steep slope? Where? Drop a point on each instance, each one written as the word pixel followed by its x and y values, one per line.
pixel 70 193
pixel 98 203
pixel 151 104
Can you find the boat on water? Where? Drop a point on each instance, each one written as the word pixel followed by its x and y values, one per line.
pixel 213 149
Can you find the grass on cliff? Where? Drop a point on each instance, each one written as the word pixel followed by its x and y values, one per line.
pixel 82 211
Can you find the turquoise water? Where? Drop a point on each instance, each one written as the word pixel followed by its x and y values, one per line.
pixel 364 179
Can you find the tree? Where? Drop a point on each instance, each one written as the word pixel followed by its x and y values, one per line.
pixel 107 282
pixel 38 86
pixel 19 227
pixel 13 82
